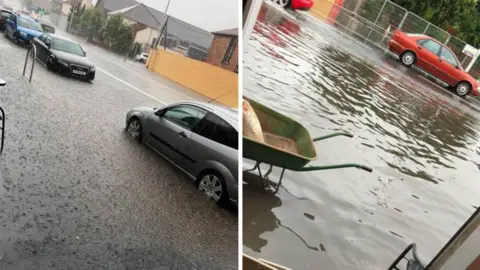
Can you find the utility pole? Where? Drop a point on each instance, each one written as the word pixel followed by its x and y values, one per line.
pixel 74 3
pixel 163 26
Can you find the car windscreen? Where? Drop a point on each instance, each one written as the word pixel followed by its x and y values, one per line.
pixel 30 24
pixel 67 46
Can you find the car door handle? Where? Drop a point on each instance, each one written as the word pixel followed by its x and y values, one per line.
pixel 439 60
pixel 182 134
pixel 419 47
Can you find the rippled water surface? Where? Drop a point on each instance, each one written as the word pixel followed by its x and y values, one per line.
pixel 422 142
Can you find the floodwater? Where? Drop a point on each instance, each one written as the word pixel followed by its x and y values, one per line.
pixel 421 141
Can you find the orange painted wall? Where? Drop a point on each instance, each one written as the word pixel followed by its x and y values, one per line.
pixel 321 9
pixel 201 77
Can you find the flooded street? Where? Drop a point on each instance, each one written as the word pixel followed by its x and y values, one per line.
pixel 422 142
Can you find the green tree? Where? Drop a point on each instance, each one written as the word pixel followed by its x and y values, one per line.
pixel 91 23
pixel 118 35
pixel 461 15
pixel 77 10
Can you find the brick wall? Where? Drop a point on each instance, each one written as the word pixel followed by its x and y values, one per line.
pixel 217 52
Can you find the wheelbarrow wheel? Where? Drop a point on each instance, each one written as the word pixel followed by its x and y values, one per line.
pixel 211 183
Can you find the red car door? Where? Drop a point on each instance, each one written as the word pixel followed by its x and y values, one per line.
pixel 448 64
pixel 427 56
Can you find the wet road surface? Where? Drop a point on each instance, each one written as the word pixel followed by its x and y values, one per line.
pixel 420 139
pixel 77 193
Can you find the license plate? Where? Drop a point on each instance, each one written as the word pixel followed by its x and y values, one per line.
pixel 79 72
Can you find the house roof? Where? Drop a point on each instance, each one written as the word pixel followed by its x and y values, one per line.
pixel 227 32
pixel 141 14
pixel 112 5
pixel 154 19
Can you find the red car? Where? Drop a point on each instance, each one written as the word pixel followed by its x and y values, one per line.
pixel 295 4
pixel 435 58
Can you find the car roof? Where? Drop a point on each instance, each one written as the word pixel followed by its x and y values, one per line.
pixel 6 10
pixel 26 17
pixel 228 114
pixel 56 36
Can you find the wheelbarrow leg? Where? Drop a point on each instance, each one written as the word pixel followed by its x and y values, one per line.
pixel 261 177
pixel 279 182
pixel 254 168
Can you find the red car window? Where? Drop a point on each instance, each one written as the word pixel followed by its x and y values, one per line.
pixel 432 46
pixel 448 56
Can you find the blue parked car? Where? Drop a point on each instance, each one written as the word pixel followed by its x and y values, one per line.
pixel 22 29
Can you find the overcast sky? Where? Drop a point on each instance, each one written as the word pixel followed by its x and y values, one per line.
pixel 211 15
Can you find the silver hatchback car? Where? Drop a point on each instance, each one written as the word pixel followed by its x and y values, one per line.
pixel 199 138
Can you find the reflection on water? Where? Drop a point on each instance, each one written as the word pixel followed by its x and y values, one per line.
pixel 421 141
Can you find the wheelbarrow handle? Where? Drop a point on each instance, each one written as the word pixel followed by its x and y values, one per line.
pixel 346 134
pixel 332 167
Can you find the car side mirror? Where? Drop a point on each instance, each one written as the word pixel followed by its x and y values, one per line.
pixel 84 53
pixel 160 113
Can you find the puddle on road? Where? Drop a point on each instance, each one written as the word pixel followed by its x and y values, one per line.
pixel 420 140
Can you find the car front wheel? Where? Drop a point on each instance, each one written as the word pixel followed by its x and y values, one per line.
pixel 463 88
pixel 213 186
pixel 408 58
pixel 134 128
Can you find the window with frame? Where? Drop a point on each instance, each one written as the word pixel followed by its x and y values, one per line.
pixel 432 46
pixel 216 129
pixel 186 116
pixel 230 49
pixel 5 14
pixel 42 37
pixel 421 41
pixel 448 56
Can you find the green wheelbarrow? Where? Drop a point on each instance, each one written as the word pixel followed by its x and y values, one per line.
pixel 287 145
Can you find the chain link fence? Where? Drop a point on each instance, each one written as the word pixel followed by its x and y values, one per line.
pixel 373 21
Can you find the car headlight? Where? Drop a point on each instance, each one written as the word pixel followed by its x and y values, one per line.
pixel 23 34
pixel 92 69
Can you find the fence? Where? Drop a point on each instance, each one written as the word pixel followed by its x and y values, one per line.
pixel 373 21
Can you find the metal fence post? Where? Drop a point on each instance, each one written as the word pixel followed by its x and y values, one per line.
pixel 376 20
pixel 426 28
pixel 403 19
pixel 32 47
pixel 448 39
pixel 2 128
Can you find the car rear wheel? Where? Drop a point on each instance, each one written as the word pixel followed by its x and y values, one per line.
pixel 463 88
pixel 213 186
pixel 282 3
pixel 134 128
pixel 408 58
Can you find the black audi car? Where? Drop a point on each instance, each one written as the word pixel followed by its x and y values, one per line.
pixel 64 56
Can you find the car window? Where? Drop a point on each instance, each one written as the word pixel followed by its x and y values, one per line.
pixel 13 18
pixel 67 46
pixel 30 24
pixel 185 115
pixel 5 14
pixel 432 46
pixel 42 37
pixel 216 129
pixel 448 56
pixel 421 41
pixel 48 39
